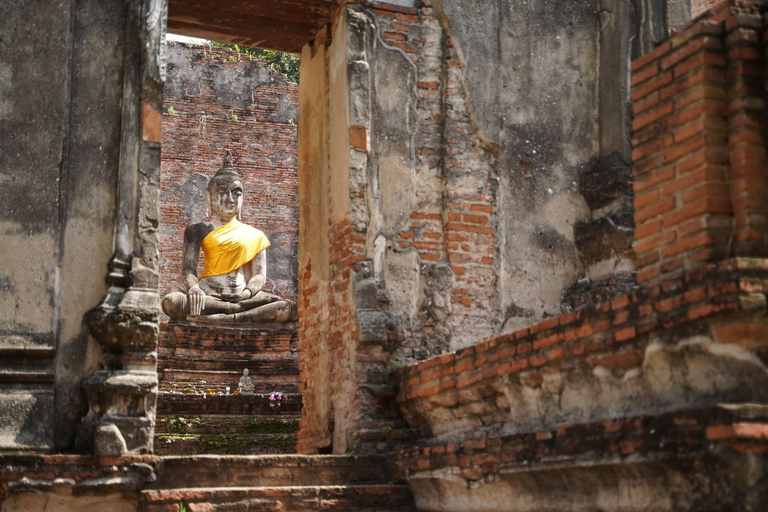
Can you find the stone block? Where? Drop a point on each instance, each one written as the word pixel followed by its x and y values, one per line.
pixel 26 420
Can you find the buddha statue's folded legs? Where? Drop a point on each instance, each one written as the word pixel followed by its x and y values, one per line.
pixel 261 308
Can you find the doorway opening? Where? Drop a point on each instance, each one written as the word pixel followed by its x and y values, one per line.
pixel 217 97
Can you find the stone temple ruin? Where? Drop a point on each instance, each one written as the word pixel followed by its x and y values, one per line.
pixel 532 256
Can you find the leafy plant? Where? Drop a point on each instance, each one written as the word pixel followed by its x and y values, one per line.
pixel 282 62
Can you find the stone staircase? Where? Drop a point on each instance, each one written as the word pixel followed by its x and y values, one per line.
pixel 196 364
pixel 275 482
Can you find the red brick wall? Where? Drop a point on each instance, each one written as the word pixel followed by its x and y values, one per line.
pixel 458 227
pixel 261 136
pixel 328 330
pixel 450 392
pixel 699 145
pixel 699 151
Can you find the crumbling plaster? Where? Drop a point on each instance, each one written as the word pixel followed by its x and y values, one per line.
pixel 60 127
pixel 632 486
pixel 530 79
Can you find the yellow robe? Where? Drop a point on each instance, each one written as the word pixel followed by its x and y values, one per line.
pixel 231 246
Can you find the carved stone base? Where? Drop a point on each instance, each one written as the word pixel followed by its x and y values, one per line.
pixel 121 411
pixel 122 396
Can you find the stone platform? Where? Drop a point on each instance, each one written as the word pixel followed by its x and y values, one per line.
pixel 195 365
pixel 209 482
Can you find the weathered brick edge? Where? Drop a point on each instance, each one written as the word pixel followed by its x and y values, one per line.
pixel 699 143
pixel 82 474
pixel 612 335
pixel 643 438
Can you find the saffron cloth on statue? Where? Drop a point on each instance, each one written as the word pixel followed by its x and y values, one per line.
pixel 230 288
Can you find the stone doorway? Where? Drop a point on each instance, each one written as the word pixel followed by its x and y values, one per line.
pixel 219 97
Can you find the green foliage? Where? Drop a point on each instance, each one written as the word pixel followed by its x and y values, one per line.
pixel 282 62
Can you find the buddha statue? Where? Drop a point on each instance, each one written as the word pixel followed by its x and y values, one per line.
pixel 245 386
pixel 229 288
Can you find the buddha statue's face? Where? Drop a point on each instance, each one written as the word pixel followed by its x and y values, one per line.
pixel 226 197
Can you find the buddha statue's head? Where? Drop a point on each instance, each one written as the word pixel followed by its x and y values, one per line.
pixel 225 191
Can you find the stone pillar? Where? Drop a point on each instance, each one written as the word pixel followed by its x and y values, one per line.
pixel 61 102
pixel 122 394
pixel 355 191
pixel 323 287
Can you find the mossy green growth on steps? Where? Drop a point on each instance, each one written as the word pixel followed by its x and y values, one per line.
pixel 224 444
pixel 222 425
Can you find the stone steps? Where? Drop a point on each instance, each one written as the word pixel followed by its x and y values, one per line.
pixel 234 363
pixel 374 498
pixel 186 381
pixel 225 434
pixel 275 482
pixel 217 471
pixel 227 424
pixel 194 360
pixel 191 405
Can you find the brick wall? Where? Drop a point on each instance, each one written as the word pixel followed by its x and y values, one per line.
pixel 699 145
pixel 480 388
pixel 641 377
pixel 217 99
pixel 457 225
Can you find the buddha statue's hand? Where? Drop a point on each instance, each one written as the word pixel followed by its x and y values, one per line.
pixel 196 298
pixel 236 297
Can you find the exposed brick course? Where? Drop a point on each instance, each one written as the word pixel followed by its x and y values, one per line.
pixel 613 336
pixel 699 144
pixel 681 435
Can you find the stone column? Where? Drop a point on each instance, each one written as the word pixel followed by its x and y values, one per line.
pixel 122 394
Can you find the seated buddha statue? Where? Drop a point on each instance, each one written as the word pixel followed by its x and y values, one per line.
pixel 245 385
pixel 229 290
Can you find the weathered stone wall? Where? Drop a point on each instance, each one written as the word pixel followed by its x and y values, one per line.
pixel 698 7
pixel 60 114
pixel 331 247
pixel 666 384
pixel 447 165
pixel 472 209
pixel 216 99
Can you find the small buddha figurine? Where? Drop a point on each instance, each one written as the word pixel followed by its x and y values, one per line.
pixel 229 289
pixel 245 386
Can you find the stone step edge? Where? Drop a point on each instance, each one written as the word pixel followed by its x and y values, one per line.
pixel 173 494
pixel 174 371
pixel 297 461
pixel 193 435
pixel 161 432
pixel 251 357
